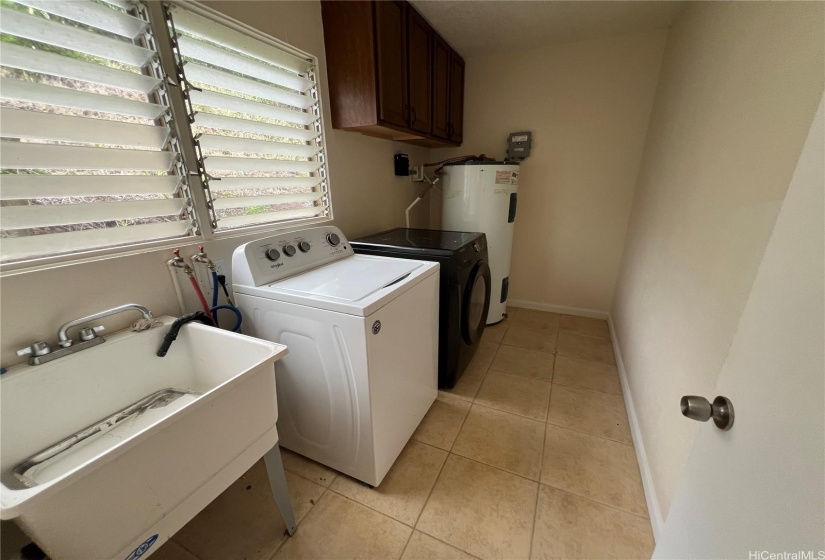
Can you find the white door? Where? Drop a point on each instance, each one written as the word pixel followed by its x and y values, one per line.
pixel 760 487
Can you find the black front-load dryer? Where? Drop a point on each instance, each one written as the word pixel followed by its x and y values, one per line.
pixel 464 292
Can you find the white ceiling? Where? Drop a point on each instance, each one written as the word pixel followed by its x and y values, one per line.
pixel 495 27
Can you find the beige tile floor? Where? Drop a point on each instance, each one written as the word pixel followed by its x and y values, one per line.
pixel 529 456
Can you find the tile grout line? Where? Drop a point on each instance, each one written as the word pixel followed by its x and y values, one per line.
pixel 549 401
pixel 336 475
pixel 406 544
pixel 620 395
pixel 518 374
pixel 430 493
pixel 538 491
pixel 595 501
pixel 507 412
pixel 496 468
pixel 446 543
pixel 441 469
pixel 611 364
pixel 483 379
pixel 298 523
pixel 578 431
pixel 381 513
pixel 530 349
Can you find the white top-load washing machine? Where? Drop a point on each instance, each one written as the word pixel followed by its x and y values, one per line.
pixel 481 196
pixel 362 334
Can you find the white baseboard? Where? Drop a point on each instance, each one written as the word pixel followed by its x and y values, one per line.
pixel 558 309
pixel 655 513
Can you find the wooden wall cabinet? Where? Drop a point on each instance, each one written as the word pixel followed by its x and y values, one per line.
pixel 391 75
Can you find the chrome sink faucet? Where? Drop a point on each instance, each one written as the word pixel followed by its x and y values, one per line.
pixel 40 352
pixel 63 339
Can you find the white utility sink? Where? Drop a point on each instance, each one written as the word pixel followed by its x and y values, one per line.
pixel 141 476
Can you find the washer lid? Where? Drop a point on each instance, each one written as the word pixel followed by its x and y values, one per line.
pixel 349 280
pixel 356 285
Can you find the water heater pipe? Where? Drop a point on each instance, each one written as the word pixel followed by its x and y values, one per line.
pixel 419 197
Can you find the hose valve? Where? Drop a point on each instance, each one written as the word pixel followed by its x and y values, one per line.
pixel 177 262
pixel 201 257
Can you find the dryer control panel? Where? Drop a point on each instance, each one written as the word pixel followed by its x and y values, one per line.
pixel 274 258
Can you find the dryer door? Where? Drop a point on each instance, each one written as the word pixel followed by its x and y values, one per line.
pixel 475 303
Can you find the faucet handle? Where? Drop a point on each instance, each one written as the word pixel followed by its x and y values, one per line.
pixel 36 349
pixel 90 333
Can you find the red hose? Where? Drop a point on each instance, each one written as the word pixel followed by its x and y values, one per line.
pixel 200 295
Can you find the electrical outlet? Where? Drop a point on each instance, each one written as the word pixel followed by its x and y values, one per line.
pixel 221 268
pixel 417 173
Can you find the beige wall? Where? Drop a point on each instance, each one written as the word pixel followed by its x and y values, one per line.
pixel 588 105
pixel 739 86
pixel 366 197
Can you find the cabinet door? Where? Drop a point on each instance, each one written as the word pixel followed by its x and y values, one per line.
pixel 420 41
pixel 456 125
pixel 441 88
pixel 391 53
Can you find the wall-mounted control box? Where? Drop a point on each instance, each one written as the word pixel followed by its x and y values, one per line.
pixel 518 145
pixel 402 165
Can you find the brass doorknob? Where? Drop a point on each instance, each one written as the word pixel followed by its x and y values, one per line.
pixel 699 409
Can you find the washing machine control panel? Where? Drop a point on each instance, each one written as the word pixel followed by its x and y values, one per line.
pixel 274 258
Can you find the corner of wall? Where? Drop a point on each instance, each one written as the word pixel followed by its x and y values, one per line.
pixel 654 512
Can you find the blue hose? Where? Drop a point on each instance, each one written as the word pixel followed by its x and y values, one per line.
pixel 233 309
pixel 214 289
pixel 216 307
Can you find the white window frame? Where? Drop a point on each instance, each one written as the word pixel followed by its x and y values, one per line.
pixel 197 192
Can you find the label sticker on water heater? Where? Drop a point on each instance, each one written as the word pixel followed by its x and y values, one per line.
pixel 506 177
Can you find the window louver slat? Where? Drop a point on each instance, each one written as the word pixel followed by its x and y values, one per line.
pixel 45 215
pixel 87 159
pixel 32 92
pixel 47 126
pixel 59 35
pixel 201 74
pixel 217 56
pixel 42 62
pixel 240 202
pixel 27 155
pixel 233 124
pixel 292 183
pixel 269 217
pixel 91 14
pixel 199 26
pixel 257 118
pixel 220 102
pixel 21 187
pixel 232 144
pixel 88 239
pixel 261 165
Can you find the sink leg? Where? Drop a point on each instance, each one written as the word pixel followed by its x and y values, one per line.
pixel 277 482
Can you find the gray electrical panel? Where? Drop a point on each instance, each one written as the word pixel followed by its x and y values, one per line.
pixel 518 145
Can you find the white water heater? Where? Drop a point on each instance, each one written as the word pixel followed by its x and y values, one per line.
pixel 481 196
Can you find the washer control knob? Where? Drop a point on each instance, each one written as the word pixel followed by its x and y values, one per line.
pixel 289 250
pixel 273 254
pixel 304 246
pixel 476 248
pixel 333 239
